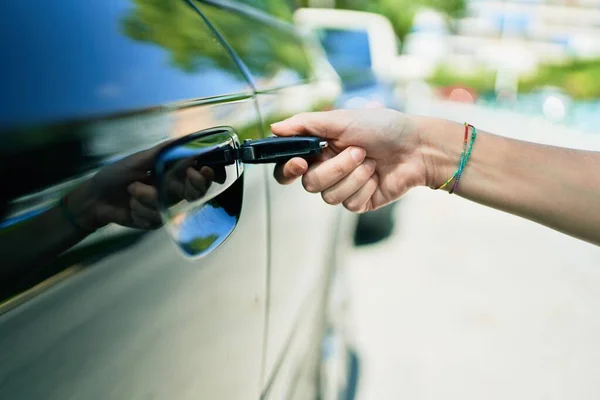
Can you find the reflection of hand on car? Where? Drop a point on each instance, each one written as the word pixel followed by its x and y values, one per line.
pixel 122 193
pixel 190 178
pixel 188 181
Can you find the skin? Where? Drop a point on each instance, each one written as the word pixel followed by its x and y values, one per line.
pixel 556 187
pixel 374 157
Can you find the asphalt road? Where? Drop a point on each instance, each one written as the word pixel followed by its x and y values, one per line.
pixel 465 302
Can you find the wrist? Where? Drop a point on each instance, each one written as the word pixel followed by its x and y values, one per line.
pixel 440 143
pixel 83 209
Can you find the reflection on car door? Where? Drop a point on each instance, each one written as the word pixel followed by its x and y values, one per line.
pixel 287 82
pixel 128 317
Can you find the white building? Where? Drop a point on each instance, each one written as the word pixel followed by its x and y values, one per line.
pixel 552 30
pixel 511 36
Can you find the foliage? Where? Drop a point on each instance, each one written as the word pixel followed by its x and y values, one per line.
pixel 579 78
pixel 174 26
pixel 401 12
pixel 278 8
pixel 481 81
pixel 266 50
pixel 199 245
pixel 177 28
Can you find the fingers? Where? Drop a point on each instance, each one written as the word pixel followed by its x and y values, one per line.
pixel 346 179
pixel 290 171
pixel 215 174
pixel 143 205
pixel 143 216
pixel 144 160
pixel 323 175
pixel 197 183
pixel 349 185
pixel 141 223
pixel 146 194
pixel 209 173
pixel 362 200
pixel 327 124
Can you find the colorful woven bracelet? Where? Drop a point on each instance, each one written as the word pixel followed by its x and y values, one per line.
pixel 465 160
pixel 462 157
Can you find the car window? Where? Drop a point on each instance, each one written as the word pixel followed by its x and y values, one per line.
pixel 348 52
pixel 273 54
pixel 346 48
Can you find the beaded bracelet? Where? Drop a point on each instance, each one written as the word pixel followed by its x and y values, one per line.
pixel 464 159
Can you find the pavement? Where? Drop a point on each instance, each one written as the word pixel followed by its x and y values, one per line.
pixel 465 302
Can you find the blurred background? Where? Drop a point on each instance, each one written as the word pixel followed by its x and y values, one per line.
pixel 463 302
pixel 533 56
pixel 451 300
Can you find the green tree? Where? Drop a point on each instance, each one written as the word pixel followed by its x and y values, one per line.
pixel 177 28
pixel 278 8
pixel 579 78
pixel 174 26
pixel 401 12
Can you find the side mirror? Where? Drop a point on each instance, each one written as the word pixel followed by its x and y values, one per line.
pixel 200 189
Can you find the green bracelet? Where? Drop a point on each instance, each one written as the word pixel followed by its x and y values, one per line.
pixel 465 159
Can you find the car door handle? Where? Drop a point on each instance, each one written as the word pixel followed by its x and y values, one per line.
pixel 200 189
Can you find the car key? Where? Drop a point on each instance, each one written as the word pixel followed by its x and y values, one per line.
pixel 278 149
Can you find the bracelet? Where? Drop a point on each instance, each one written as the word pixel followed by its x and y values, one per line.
pixel 464 159
pixel 62 205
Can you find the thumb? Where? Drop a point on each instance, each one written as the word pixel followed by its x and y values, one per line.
pixel 145 158
pixel 324 124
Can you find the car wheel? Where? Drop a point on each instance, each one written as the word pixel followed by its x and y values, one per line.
pixel 375 226
pixel 339 368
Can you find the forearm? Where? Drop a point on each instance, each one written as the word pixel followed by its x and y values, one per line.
pixel 557 187
pixel 30 245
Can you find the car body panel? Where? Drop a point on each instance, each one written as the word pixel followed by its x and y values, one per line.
pixel 287 82
pixel 128 317
pixel 122 314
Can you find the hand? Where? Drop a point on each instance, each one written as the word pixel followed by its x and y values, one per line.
pixel 120 193
pixel 373 156
pixel 190 181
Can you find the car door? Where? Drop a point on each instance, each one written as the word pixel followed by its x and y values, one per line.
pixel 289 77
pixel 122 314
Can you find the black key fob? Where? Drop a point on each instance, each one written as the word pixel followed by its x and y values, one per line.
pixel 279 149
